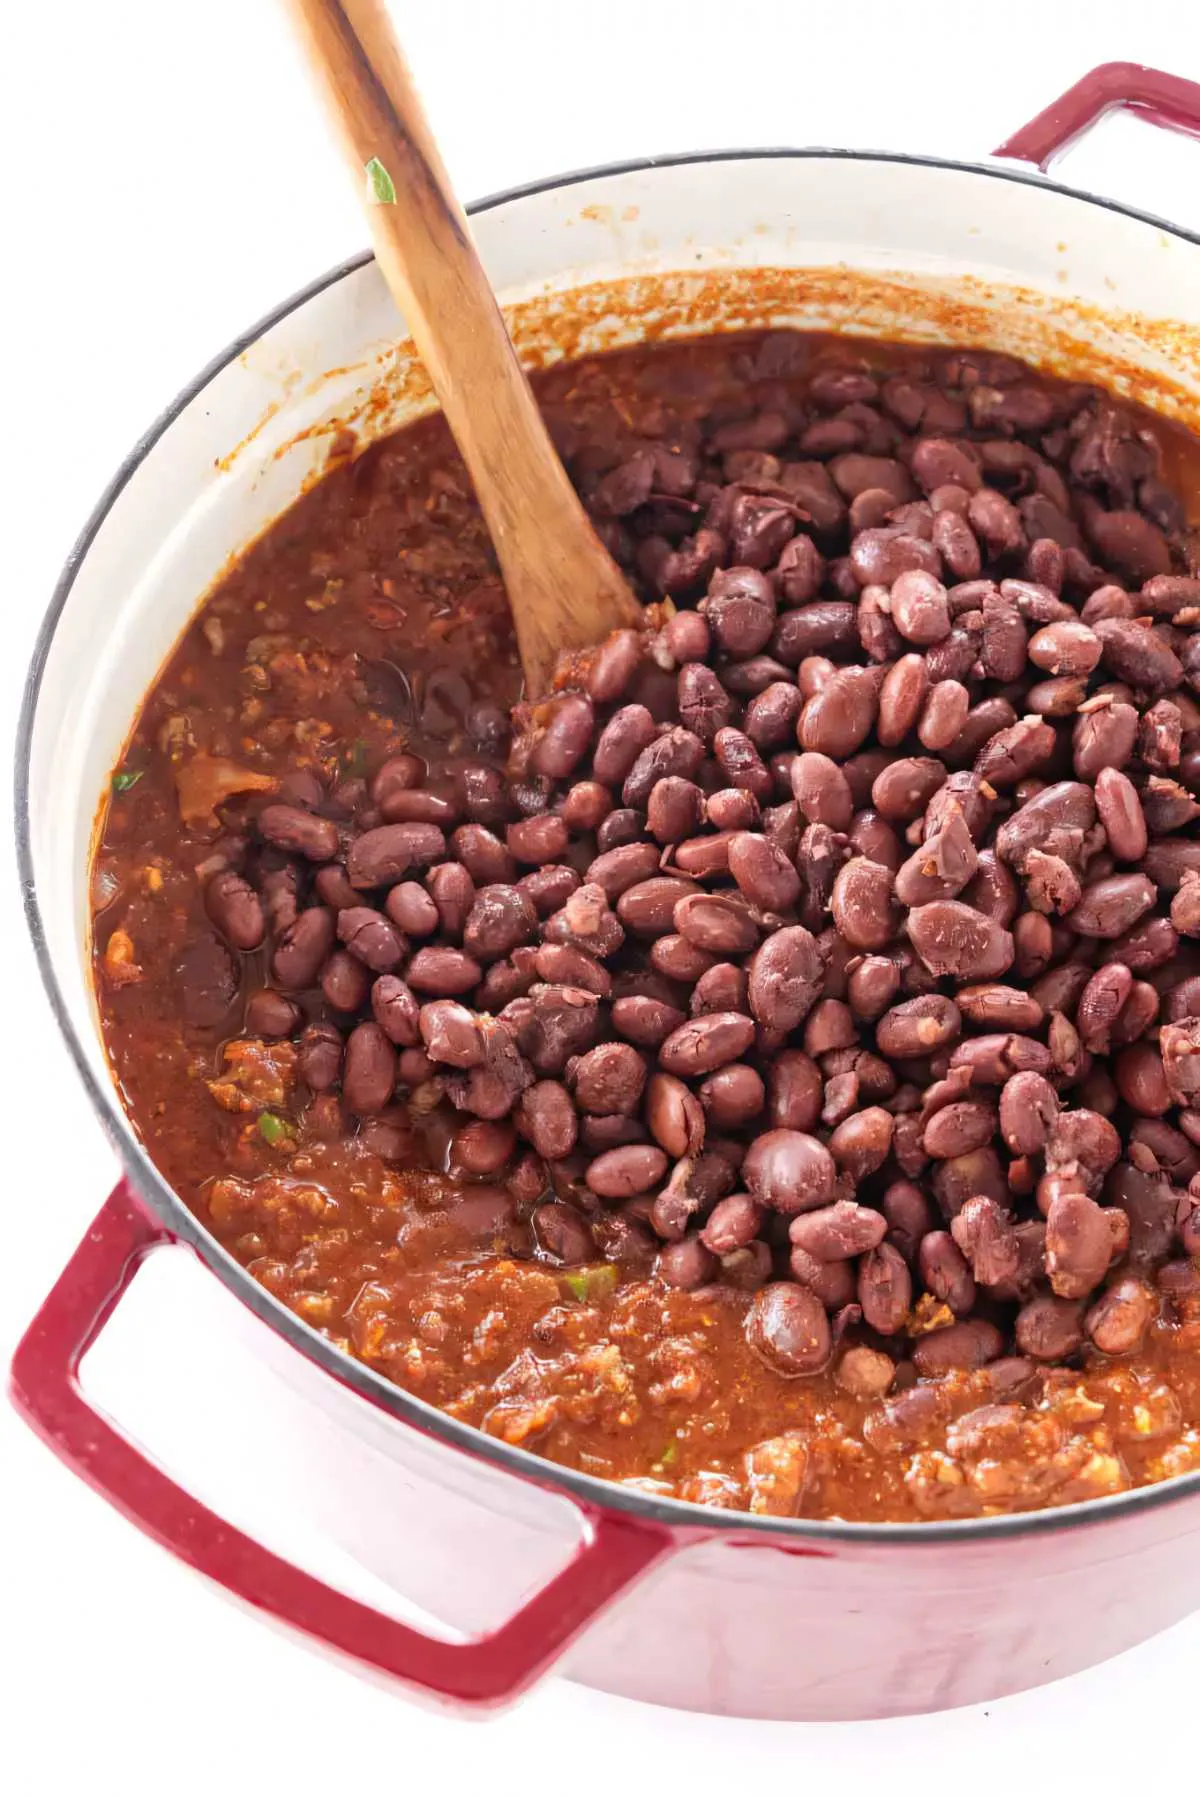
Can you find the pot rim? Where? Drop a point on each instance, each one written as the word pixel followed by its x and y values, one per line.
pixel 583 1488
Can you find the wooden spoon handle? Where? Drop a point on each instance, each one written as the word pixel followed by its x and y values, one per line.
pixel 564 588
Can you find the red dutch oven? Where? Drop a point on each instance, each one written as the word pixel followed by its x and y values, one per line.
pixel 714 1611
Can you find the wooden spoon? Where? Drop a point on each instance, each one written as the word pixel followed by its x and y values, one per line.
pixel 565 590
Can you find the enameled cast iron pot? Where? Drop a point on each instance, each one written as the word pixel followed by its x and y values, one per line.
pixel 728 1613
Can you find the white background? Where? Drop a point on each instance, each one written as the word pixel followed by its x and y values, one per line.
pixel 165 178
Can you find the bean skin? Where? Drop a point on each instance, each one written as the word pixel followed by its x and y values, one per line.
pixel 706 1043
pixel 546 1117
pixel 788 1328
pixel 789 1171
pixel 235 910
pixel 369 1076
pixel 626 1171
pixel 301 950
pixel 297 831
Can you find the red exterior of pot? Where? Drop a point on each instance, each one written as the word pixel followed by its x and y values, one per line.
pixel 792 1622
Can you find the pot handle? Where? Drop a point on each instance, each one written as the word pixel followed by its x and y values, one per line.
pixel 478 1674
pixel 1152 94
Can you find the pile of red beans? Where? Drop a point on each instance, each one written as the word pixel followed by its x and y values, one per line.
pixel 823 939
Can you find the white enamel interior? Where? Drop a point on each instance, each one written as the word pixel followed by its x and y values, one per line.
pixel 191 502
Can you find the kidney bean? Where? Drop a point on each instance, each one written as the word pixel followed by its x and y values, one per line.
pixel 686 1264
pixel 716 924
pixel 1120 811
pixel 762 872
pixel 871 985
pixel 1111 906
pixel 383 856
pixel 369 1072
pixel 986 1237
pixel 586 805
pixel 788 1328
pixel 918 1026
pixel 270 1014
pixel 1051 819
pixel 957 1129
pixel 334 889
pixel 839 1231
pixel 943 716
pixel 785 976
pixel 397 1011
pixel 619 868
pixel 626 734
pixel 609 1079
pixel 1142 1079
pixel 451 1034
pixel 962 1347
pixel 901 699
pixel 677 753
pixel 1118 1320
pixel 483 857
pixel 793 1091
pixel 481 1148
pixel 1104 737
pixel 319 1057
pixel 1028 1111
pixel 562 1233
pixel 945 1272
pixel 301 950
pixel 952 939
pixel 235 910
pixel 975 1174
pixel 908 1210
pixel 443 971
pixel 732 1096
pixel 647 908
pixel 674 1115
pixel 546 1117
pixel 862 905
pixel 1049 1328
pixel 1000 1007
pixel 345 981
pixel 919 607
pixel 537 840
pixel 705 1043
pixel 1078 1244
pixel 821 790
pixel 409 905
pixel 837 720
pixel 419 807
pixel 904 788
pixel 626 1171
pixel 789 1171
pixel 557 963
pixel 884 1288
pixel 297 831
pixel 371 938
pixel 734 1223
pixel 565 739
pixel 723 987
pixel 645 1021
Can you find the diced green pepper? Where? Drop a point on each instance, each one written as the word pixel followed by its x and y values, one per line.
pixel 127 777
pixel 274 1129
pixel 590 1283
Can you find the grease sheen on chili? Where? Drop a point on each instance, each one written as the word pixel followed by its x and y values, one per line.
pixel 765 1072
